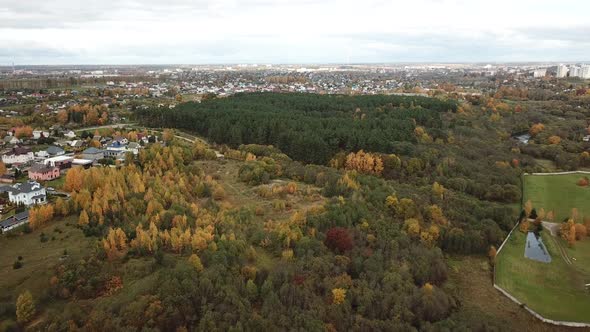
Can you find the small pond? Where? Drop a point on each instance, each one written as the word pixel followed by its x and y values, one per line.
pixel 523 138
pixel 535 248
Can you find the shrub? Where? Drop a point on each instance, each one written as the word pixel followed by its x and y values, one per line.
pixel 338 239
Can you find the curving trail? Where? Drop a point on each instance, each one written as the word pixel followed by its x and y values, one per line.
pixel 554 230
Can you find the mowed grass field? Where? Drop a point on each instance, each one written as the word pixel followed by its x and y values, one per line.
pixel 554 290
pixel 558 193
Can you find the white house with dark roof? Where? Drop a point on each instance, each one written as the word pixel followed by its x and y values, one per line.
pixel 18 155
pixel 70 134
pixel 27 193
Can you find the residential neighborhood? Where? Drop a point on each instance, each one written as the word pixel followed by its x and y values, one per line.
pixel 31 167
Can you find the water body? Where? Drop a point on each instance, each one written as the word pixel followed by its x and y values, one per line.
pixel 535 248
pixel 524 138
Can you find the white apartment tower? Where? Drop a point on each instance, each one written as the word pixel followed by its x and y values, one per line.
pixel 575 71
pixel 541 72
pixel 561 71
pixel 585 71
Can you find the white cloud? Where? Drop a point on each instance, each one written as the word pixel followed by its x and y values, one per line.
pixel 222 31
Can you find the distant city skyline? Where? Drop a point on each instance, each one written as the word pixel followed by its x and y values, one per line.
pixel 60 32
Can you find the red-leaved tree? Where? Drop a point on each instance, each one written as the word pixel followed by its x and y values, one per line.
pixel 338 239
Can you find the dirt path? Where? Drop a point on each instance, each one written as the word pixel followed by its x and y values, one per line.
pixel 553 228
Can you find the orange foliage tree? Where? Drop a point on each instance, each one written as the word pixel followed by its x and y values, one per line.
pixel 23 132
pixel 40 215
pixel 536 128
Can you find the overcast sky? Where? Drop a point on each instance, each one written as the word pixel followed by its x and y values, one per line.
pixel 296 31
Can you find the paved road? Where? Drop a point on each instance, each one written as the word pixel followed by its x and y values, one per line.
pixel 118 125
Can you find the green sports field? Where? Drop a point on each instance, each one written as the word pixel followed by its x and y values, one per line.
pixel 558 193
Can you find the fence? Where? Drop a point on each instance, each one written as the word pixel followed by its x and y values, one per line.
pixel 558 173
pixel 513 299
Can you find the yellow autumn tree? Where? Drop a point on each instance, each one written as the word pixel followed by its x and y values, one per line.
pixel 364 162
pixel 83 220
pixel 438 190
pixel 195 261
pixel 74 179
pixel 25 307
pixel 492 255
pixel 115 243
pixel 62 207
pixel 167 135
pixel 436 215
pixel 554 140
pixel 338 295
pixel 568 231
pixel 40 215
pixel 412 226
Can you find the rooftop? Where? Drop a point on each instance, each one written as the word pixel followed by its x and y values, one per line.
pixel 25 187
pixel 41 168
pixel 92 151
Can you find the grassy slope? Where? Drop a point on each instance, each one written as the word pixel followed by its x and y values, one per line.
pixel 470 277
pixel 39 258
pixel 558 193
pixel 554 290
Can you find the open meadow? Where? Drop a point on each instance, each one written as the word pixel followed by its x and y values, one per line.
pixel 558 193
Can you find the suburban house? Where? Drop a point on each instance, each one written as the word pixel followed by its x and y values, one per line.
pixel 115 150
pixel 14 221
pixel 133 147
pixel 55 151
pixel 70 134
pixel 11 140
pixel 121 140
pixel 85 163
pixel 7 178
pixel 61 162
pixel 115 153
pixel 41 172
pixel 18 155
pixel 77 143
pixel 27 193
pixel 92 154
pixel 51 152
pixel 40 133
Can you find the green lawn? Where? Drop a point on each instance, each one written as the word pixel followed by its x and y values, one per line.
pixel 554 290
pixel 558 193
